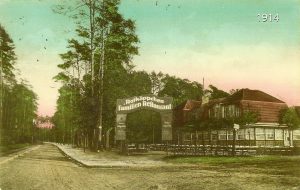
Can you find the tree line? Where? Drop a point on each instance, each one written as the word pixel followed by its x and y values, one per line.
pixel 18 103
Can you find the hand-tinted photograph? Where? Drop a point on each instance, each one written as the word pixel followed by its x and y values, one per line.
pixel 149 94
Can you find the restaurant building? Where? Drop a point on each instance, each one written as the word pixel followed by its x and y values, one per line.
pixel 266 131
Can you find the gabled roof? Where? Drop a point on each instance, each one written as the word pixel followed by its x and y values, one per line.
pixel 188 105
pixel 192 104
pixel 254 95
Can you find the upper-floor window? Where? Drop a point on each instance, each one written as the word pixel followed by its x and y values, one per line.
pixel 224 111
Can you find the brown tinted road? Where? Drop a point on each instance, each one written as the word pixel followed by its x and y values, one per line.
pixel 47 168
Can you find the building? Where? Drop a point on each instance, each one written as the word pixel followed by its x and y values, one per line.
pixel 186 112
pixel 183 114
pixel 265 131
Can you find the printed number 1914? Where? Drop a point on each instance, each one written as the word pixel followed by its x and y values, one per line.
pixel 268 17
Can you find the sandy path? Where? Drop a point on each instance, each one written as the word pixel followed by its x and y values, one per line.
pixel 47 168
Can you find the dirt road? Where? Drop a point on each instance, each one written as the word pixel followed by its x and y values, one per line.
pixel 47 168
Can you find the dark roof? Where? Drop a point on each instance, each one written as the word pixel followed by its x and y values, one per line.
pixel 254 95
pixel 192 104
pixel 189 105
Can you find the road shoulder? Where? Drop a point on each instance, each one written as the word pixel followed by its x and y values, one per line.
pixel 109 159
pixel 9 157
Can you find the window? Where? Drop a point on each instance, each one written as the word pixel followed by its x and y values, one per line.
pixel 214 135
pixel 237 111
pixel 278 134
pixel 231 110
pixel 241 134
pixel 260 134
pixel 222 135
pixel 296 134
pixel 230 135
pixel 249 134
pixel 216 111
pixel 269 134
pixel 226 111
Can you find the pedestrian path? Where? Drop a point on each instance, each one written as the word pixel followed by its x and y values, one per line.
pixel 110 159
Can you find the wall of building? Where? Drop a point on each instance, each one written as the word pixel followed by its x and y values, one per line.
pixel 268 111
pixel 255 136
pixel 296 138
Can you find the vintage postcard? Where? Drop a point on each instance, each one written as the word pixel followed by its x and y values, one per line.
pixel 150 94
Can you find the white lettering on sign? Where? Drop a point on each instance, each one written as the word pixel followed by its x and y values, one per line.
pixel 144 98
pixel 144 104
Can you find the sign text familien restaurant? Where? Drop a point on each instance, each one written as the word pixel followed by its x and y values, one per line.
pixel 161 103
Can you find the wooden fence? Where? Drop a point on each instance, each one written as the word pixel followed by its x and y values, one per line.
pixel 212 150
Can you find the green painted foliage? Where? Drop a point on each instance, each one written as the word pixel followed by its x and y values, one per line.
pixel 290 118
pixel 216 93
pixel 18 103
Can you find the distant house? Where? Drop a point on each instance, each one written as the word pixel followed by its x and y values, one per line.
pixel 44 122
pixel 267 131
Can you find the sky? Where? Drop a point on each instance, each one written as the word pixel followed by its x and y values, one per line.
pixel 226 42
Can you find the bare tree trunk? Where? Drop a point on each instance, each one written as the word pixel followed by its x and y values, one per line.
pixel 92 30
pixel 101 75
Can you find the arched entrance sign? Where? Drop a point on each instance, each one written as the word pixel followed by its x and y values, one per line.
pixel 163 105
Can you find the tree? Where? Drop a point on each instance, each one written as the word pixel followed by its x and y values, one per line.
pixel 247 118
pixel 232 91
pixel 139 83
pixel 100 57
pixel 180 89
pixel 17 101
pixel 216 93
pixel 156 82
pixel 7 58
pixel 290 117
